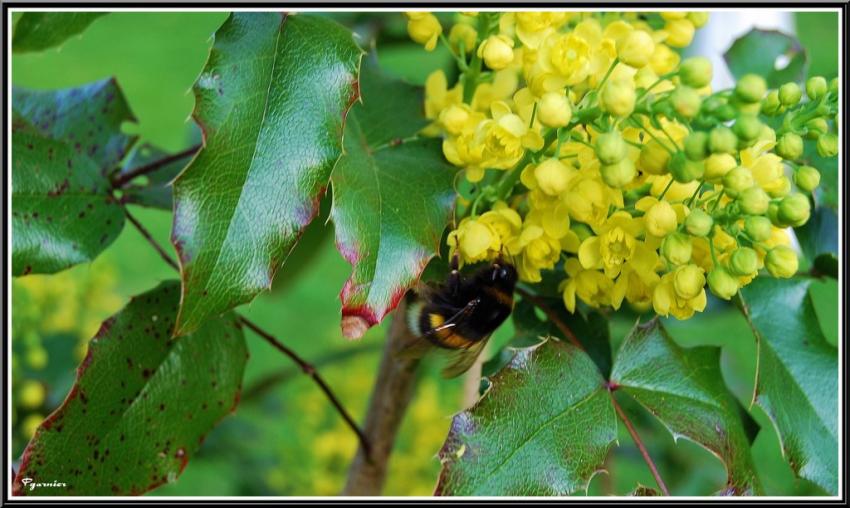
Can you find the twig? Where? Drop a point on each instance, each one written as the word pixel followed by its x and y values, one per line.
pixel 639 443
pixel 123 179
pixel 553 317
pixel 305 366
pixel 310 370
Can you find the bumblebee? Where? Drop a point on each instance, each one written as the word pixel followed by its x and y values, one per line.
pixel 459 315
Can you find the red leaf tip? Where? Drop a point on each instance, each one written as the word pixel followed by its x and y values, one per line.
pixel 354 327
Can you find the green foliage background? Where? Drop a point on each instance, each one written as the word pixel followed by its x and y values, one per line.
pixel 288 440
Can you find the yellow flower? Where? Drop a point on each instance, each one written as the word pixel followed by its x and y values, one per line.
pixel 463 33
pixel 663 60
pixel 680 292
pixel 680 32
pixel 503 220
pixel 568 55
pixel 552 176
pixel 589 199
pixel 503 86
pixel 424 28
pixel 506 137
pixel 636 48
pixel 536 250
pixel 474 240
pixel 592 286
pixel 497 52
pixel 437 95
pixel 660 219
pixel 533 27
pixel 554 110
pixel 613 247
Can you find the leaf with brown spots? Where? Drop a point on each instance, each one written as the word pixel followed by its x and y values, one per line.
pixel 141 405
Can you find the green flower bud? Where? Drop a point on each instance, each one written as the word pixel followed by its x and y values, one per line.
pixel 758 228
pixel 806 178
pixel 816 127
pixel 794 210
pixel 685 170
pixel 660 220
pixel 654 158
pixel 688 281
pixel 686 101
pixel 753 201
pixel 827 145
pixel 695 72
pixel 773 215
pixel 721 139
pixel 619 174
pixel 790 94
pixel 610 147
pixel 737 180
pixel 789 146
pixel 698 18
pixel 771 105
pixel 711 103
pixel 743 261
pixel 717 165
pixel 698 223
pixel 782 262
pixel 750 88
pixel 833 85
pixel 747 127
pixel 722 283
pixel 816 87
pixel 696 146
pixel 726 112
pixel 677 248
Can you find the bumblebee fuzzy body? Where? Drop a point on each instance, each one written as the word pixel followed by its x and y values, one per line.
pixel 461 314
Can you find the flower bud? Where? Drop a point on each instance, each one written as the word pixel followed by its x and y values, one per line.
pixel 618 97
pixel 806 178
pixel 743 261
pixel 737 180
pixel 721 139
pixel 688 281
pixel 816 127
pixel 696 146
pixel 698 223
pixel 654 158
pixel 677 248
pixel 722 283
pixel 782 262
pixel 635 48
pixel 680 33
pixel 619 174
pixel 424 28
pixel 790 94
pixel 794 210
pixel 685 170
pixel 780 187
pixel 747 127
pixel 463 33
pixel 695 72
pixel 750 88
pixel 660 219
pixel 554 110
pixel 753 201
pixel 552 176
pixel 497 51
pixel 454 118
pixel 610 147
pixel 816 87
pixel 758 228
pixel 789 146
pixel 833 85
pixel 771 105
pixel 773 215
pixel 686 101
pixel 717 165
pixel 698 19
pixel 827 145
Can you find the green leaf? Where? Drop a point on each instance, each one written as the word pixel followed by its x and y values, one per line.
pixel 271 101
pixel 87 118
pixel 820 234
pixel 155 192
pixel 797 376
pixel 64 142
pixel 37 31
pixel 392 199
pixel 684 389
pixel 543 428
pixel 141 404
pixel 757 52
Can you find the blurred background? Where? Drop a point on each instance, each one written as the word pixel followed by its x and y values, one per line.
pixel 285 439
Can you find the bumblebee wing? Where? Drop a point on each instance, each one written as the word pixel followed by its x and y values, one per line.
pixel 460 360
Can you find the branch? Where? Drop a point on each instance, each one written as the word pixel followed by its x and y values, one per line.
pixel 123 179
pixel 553 317
pixel 644 453
pixel 305 366
pixel 391 395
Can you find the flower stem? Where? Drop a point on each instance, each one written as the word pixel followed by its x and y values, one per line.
pixel 641 448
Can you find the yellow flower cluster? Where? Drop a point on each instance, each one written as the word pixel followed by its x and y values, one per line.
pixel 592 114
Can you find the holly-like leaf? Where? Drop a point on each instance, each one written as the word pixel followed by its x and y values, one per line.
pixel 271 102
pixel 797 376
pixel 776 56
pixel 543 428
pixel 155 191
pixel 392 199
pixel 37 31
pixel 141 404
pixel 684 389
pixel 87 118
pixel 64 142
